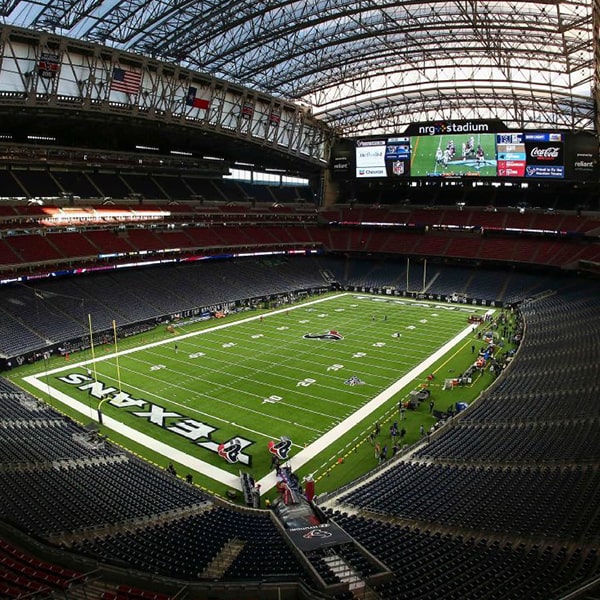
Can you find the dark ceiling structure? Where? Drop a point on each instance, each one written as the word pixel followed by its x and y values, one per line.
pixel 366 66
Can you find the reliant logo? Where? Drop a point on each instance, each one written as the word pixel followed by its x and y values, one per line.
pixel 450 127
pixel 197 432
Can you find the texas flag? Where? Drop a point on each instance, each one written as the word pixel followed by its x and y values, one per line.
pixel 191 99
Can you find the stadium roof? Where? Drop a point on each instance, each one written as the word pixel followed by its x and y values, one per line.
pixel 363 66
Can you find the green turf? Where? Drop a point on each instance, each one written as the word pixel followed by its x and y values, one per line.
pixel 423 162
pixel 260 379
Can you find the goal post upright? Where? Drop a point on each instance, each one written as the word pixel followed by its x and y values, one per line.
pixel 424 282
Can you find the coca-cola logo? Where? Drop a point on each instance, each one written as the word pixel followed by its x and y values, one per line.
pixel 549 153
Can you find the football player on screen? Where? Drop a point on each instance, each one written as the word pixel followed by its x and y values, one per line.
pixel 468 147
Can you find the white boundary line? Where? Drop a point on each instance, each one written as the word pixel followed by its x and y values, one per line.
pixel 165 450
pixel 308 453
pixel 183 336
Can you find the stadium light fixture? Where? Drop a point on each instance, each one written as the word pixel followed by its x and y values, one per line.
pixel 41 138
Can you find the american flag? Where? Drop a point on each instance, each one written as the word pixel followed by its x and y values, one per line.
pixel 125 81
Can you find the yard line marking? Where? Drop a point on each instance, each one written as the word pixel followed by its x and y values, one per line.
pixel 318 445
pixel 269 481
pixel 185 336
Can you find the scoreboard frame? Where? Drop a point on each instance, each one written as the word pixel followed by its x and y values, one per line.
pixel 475 150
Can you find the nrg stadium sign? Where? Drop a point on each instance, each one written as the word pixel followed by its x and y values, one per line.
pixel 455 127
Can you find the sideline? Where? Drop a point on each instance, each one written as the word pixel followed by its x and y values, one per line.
pixel 311 451
pixel 40 382
pixel 182 336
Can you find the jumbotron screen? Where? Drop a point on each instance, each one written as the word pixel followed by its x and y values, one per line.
pixel 462 155
pixel 523 154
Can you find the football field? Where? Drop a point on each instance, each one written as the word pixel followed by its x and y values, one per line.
pixel 214 396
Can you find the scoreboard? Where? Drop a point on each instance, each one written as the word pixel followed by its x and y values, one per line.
pixel 537 155
pixel 472 151
pixel 512 156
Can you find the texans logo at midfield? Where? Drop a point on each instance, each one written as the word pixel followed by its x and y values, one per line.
pixel 328 335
